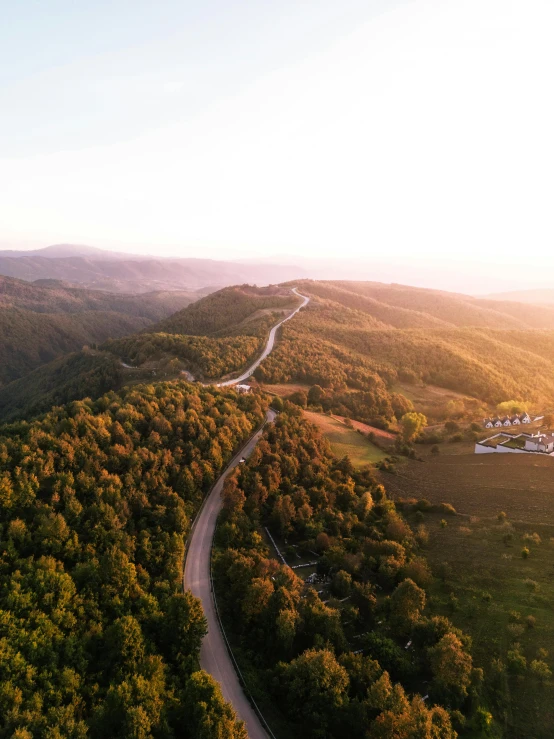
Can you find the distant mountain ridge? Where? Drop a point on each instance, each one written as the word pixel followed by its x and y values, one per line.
pixel 537 296
pixel 132 273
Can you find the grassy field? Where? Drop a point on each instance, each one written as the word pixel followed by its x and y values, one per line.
pixel 479 484
pixel 488 589
pixel 428 399
pixel 345 440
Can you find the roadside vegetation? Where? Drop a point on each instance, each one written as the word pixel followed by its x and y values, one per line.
pixel 97 638
pixel 354 651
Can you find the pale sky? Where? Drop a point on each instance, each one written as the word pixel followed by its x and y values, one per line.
pixel 401 132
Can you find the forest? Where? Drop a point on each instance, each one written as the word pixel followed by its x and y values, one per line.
pixel 358 654
pixel 39 323
pixel 339 347
pixel 207 358
pixel 97 638
pixel 226 309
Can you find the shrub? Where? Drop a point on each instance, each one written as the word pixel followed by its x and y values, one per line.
pixel 444 524
pixel 531 585
pixel 422 535
pixel 541 670
pixel 435 450
pixel 517 664
pixel 502 516
pixel 525 553
pixel 423 505
pixel 530 621
pixel 445 508
pixel 515 630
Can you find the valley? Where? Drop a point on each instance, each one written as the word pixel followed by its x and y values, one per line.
pixel 373 507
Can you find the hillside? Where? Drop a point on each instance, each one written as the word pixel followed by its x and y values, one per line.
pixel 54 297
pixel 39 323
pixel 430 308
pixel 357 346
pixel 226 309
pixel 483 360
pixel 69 377
pixel 128 273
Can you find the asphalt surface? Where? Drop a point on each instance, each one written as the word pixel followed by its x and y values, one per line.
pixel 214 657
pixel 268 347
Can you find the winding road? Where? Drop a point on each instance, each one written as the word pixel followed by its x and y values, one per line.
pixel 269 346
pixel 214 656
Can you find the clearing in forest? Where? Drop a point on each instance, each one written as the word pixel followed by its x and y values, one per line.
pixel 346 440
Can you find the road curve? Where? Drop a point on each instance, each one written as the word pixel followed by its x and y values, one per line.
pixel 268 347
pixel 214 657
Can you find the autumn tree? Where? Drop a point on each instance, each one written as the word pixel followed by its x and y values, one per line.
pixel 412 424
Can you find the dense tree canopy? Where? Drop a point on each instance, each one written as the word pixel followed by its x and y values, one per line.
pixel 96 636
pixel 335 661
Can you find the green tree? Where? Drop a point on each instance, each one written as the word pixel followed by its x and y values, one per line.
pixel 451 665
pixel 208 715
pixel 406 604
pixel 316 686
pixel 412 424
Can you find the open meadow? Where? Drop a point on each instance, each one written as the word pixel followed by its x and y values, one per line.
pixel 483 580
pixel 478 484
pixel 504 601
pixel 346 440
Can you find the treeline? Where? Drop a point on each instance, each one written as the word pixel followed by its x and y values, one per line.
pixel 53 296
pixel 355 658
pixel 39 324
pixel 97 638
pixel 30 339
pixel 225 309
pixel 204 356
pixel 335 347
pixel 71 377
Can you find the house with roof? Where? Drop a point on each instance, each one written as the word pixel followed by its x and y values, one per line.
pixel 496 422
pixel 487 423
pixel 526 418
pixel 515 421
pixel 506 421
pixel 540 443
pixel 521 443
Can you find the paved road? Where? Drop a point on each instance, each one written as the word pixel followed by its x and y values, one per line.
pixel 268 347
pixel 214 657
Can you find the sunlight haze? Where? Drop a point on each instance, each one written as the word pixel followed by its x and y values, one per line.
pixel 415 133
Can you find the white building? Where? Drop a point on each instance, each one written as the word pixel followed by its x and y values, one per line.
pixel 540 443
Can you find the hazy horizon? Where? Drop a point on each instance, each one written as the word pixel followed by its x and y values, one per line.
pixel 411 137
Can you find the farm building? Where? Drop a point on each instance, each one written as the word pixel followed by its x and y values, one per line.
pixel 540 443
pixel 244 388
pixel 522 443
pixel 506 421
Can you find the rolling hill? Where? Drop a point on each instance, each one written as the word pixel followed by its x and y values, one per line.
pixel 358 341
pixel 39 323
pixel 131 273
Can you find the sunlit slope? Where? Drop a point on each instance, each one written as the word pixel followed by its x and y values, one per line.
pixel 337 346
pixel 226 309
pixel 403 306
